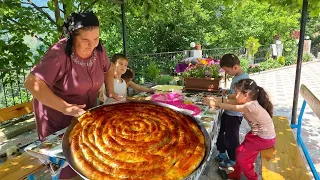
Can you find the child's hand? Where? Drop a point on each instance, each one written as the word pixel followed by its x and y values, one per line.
pixel 224 92
pixel 115 96
pixel 152 91
pixel 213 109
pixel 210 101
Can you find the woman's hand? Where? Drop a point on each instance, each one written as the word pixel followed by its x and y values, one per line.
pixel 39 89
pixel 74 110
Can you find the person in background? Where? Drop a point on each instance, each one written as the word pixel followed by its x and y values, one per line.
pixel 122 79
pixel 228 138
pixel 65 83
pixel 128 76
pixel 253 102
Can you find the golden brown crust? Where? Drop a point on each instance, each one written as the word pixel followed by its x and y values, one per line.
pixel 136 141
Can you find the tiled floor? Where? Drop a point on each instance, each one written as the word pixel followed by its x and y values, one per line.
pixel 279 84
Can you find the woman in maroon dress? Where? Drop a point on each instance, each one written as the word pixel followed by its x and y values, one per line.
pixel 67 79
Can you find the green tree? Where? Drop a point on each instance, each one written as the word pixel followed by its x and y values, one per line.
pixel 313 7
pixel 46 26
pixel 252 44
pixel 152 25
pixel 243 19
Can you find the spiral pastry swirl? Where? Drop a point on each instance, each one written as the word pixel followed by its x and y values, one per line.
pixel 136 141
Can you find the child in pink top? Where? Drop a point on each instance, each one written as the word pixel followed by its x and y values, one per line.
pixel 254 103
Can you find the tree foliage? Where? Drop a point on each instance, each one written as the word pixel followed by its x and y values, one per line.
pixel 252 44
pixel 288 5
pixel 29 28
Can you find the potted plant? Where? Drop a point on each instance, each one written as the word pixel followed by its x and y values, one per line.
pixel 203 76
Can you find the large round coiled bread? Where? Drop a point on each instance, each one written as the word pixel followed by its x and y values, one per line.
pixel 136 141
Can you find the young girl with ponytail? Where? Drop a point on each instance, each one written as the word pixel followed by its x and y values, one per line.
pixel 254 103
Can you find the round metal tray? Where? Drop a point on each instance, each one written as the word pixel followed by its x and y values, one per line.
pixel 192 176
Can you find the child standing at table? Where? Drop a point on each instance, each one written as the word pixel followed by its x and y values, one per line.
pixel 228 138
pixel 122 79
pixel 257 110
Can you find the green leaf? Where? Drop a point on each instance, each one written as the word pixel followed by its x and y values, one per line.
pixel 186 2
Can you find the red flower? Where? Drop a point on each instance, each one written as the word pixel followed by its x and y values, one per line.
pixel 295 34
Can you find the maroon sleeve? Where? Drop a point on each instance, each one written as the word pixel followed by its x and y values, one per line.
pixel 50 68
pixel 105 60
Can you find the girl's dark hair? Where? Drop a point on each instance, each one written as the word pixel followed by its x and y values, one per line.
pixel 255 92
pixel 229 60
pixel 117 57
pixel 129 74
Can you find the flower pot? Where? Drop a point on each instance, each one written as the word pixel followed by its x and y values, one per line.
pixel 202 84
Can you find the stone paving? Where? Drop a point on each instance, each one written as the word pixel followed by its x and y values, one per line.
pixel 279 84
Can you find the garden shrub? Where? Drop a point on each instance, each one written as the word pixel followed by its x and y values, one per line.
pixel 252 44
pixel 291 59
pixel 164 79
pixel 307 57
pixel 253 68
pixel 152 71
pixel 290 51
pixel 281 60
pixel 244 63
pixel 269 64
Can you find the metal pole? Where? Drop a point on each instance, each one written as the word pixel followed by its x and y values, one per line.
pixel 124 34
pixel 303 22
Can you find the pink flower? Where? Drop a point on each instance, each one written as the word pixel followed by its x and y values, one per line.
pixel 210 63
pixel 295 34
